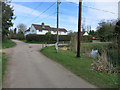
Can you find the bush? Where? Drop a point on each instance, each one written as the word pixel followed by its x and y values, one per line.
pixel 87 38
pixel 46 38
pixel 20 36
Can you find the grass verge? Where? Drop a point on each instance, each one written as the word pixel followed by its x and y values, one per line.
pixel 81 67
pixel 3 62
pixel 7 44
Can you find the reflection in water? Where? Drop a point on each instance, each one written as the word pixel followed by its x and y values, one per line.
pixel 94 53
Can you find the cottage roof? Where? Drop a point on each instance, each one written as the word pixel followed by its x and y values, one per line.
pixel 47 27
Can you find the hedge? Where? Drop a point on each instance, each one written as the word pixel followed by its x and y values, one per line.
pixel 46 38
pixel 87 38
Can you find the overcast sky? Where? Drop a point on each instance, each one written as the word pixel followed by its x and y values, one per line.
pixel 29 12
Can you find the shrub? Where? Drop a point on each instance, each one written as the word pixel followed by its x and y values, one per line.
pixel 46 38
pixel 87 38
pixel 20 36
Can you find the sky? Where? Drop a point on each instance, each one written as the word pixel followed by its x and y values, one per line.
pixel 31 12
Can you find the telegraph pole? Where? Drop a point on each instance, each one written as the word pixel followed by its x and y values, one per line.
pixel 57 21
pixel 57 25
pixel 79 28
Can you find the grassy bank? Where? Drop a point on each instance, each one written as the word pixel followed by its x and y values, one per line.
pixel 81 67
pixel 3 62
pixel 6 44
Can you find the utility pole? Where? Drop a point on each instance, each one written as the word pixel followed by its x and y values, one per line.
pixel 79 28
pixel 57 23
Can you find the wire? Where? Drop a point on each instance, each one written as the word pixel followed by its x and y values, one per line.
pixel 49 15
pixel 33 10
pixel 82 17
pixel 37 6
pixel 99 9
pixel 43 12
pixel 95 8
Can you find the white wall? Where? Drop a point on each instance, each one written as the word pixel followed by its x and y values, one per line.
pixel 43 32
pixel 33 30
pixel 52 32
pixel 62 33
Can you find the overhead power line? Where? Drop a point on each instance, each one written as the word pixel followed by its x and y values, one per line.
pixel 33 10
pixel 99 9
pixel 95 8
pixel 49 16
pixel 82 17
pixel 43 12
pixel 37 6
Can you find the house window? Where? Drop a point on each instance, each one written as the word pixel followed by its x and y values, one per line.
pixel 40 30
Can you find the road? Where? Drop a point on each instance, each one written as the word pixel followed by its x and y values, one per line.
pixel 28 68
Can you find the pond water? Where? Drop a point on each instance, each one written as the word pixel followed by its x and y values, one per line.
pixel 94 53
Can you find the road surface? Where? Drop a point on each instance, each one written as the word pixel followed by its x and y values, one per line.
pixel 28 68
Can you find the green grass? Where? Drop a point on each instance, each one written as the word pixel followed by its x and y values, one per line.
pixel 94 45
pixel 7 44
pixel 81 67
pixel 3 62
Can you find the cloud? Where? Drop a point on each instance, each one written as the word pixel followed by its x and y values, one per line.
pixel 109 6
pixel 28 15
pixel 93 16
pixel 72 20
pixel 25 11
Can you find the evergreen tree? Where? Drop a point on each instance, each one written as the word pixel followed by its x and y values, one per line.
pixel 7 17
pixel 117 33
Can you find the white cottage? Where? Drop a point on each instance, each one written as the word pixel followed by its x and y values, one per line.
pixel 43 29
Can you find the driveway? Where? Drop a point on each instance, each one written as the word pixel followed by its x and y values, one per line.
pixel 28 68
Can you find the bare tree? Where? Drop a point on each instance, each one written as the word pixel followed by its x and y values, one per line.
pixel 21 28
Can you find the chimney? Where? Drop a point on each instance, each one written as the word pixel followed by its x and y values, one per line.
pixel 42 25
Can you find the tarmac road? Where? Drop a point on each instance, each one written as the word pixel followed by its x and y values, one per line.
pixel 28 68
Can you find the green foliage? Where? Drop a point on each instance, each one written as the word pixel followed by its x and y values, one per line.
pixel 20 35
pixel 92 32
pixel 7 44
pixel 4 61
pixel 87 38
pixel 81 67
pixel 12 35
pixel 7 17
pixel 117 33
pixel 48 33
pixel 105 31
pixel 46 38
pixel 15 30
